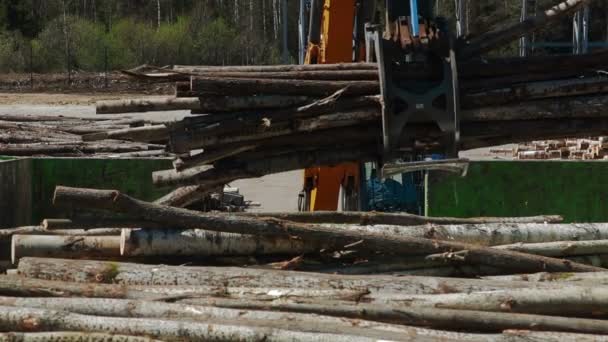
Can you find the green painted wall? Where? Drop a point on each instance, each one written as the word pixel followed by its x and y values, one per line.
pixel 27 185
pixel 576 190
pixel 131 176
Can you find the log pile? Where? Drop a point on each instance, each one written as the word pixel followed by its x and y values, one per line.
pixel 253 121
pixel 38 135
pixel 570 149
pixel 300 276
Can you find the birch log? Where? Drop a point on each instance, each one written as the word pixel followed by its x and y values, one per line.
pixel 18 286
pixel 93 225
pixel 434 318
pixel 599 278
pixel 146 105
pixel 399 219
pixel 550 336
pixel 117 202
pixel 154 133
pixel 199 242
pixel 69 336
pixel 137 274
pixel 204 70
pixel 58 246
pixel 26 319
pixel 570 300
pixel 289 320
pixel 560 248
pixel 6 234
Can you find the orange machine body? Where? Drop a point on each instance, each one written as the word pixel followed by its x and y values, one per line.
pixel 336 46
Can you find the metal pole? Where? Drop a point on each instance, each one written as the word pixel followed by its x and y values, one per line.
pixel 585 29
pixel 461 18
pixel 284 19
pixel 523 41
pixel 576 32
pixel 302 32
pixel 414 16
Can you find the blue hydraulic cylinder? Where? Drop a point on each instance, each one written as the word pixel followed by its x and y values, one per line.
pixel 414 15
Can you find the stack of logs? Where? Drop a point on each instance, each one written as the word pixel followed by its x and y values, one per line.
pixel 573 149
pixel 301 276
pixel 39 135
pixel 250 121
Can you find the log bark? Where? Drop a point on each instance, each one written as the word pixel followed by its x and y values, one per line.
pixel 90 225
pixel 149 275
pixel 398 219
pixel 246 86
pixel 78 247
pixel 19 286
pixel 75 148
pixel 154 133
pixel 601 278
pixel 117 202
pixel 6 234
pixel 146 105
pixel 184 196
pixel 207 158
pixel 292 321
pixel 204 70
pixel 329 75
pixel 434 318
pixel 198 242
pixel 493 39
pixel 561 248
pixel 68 336
pixel 547 336
pixel 570 300
pixel 143 154
pixel 25 319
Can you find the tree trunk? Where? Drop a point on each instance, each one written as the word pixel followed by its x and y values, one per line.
pixel 6 234
pixel 198 242
pixel 147 275
pixel 206 70
pixel 560 248
pixel 185 196
pixel 78 247
pixel 399 219
pixel 570 300
pixel 246 86
pixel 51 226
pixel 434 318
pixel 207 158
pixel 67 336
pixel 20 318
pixel 290 320
pixel 115 201
pixel 493 39
pixel 153 133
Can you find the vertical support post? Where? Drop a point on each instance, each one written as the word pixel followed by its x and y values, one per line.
pixel 462 18
pixel 415 29
pixel 525 40
pixel 285 38
pixel 585 29
pixel 302 32
pixel 576 32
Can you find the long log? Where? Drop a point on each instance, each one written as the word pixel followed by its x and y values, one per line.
pixel 295 321
pixel 6 234
pixel 198 242
pixel 246 86
pixel 25 287
pixel 493 39
pixel 20 319
pixel 75 148
pixel 601 278
pixel 148 275
pixel 561 248
pixel 90 225
pixel 274 68
pixel 184 196
pixel 204 105
pixel 434 318
pixel 399 219
pixel 69 336
pixel 154 133
pixel 550 336
pixel 115 201
pixel 64 246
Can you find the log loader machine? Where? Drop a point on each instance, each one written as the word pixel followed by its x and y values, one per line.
pixel 344 31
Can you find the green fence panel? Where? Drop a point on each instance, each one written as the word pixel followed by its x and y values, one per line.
pixel 576 190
